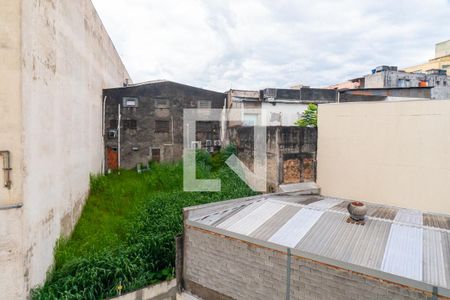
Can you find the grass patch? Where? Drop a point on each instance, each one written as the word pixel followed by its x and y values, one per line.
pixel 125 236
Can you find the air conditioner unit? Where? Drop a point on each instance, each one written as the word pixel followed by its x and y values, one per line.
pixel 196 145
pixel 112 133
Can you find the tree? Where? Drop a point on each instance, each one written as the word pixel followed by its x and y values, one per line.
pixel 309 117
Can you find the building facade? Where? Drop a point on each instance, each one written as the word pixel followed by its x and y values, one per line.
pixel 390 77
pixel 151 122
pixel 441 60
pixel 56 59
pixel 276 107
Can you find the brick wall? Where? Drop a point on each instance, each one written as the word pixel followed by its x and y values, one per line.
pixel 219 267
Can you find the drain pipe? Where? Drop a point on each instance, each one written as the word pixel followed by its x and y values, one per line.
pixel 103 135
pixel 6 168
pixel 118 136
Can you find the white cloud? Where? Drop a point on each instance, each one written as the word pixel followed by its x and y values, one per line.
pixel 255 44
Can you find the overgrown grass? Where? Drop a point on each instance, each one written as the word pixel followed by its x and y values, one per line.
pixel 125 236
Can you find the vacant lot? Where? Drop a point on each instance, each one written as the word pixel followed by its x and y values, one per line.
pixel 124 239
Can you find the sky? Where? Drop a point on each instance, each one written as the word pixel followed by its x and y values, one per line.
pixel 255 44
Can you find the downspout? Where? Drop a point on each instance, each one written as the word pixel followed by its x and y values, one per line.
pixel 103 134
pixel 118 136
pixel 6 168
pixel 172 130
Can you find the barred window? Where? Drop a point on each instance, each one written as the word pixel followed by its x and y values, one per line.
pixel 204 104
pixel 130 102
pixel 162 126
pixel 129 124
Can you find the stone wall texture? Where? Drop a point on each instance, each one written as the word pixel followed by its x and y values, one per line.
pixel 219 267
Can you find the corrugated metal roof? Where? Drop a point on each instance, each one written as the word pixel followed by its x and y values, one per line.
pixel 403 242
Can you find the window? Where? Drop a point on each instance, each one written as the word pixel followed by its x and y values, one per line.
pixel 275 117
pixel 112 123
pixel 403 82
pixel 162 103
pixel 204 126
pixel 129 124
pixel 130 102
pixel 162 126
pixel 250 119
pixel 204 104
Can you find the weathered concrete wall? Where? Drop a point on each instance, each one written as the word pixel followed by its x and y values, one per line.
pixel 290 152
pixel 218 267
pixel 285 114
pixel 394 153
pixel 439 83
pixel 63 60
pixel 12 272
pixel 158 101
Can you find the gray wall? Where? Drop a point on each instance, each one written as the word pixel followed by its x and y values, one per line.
pixel 218 267
pixel 386 79
pixel 290 152
pixel 151 108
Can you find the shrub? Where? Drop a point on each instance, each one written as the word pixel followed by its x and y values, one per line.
pixel 309 117
pixel 125 236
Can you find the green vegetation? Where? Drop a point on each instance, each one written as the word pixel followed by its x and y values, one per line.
pixel 124 239
pixel 309 117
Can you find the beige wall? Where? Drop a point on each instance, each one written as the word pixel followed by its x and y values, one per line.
pixel 63 59
pixel 395 153
pixel 11 274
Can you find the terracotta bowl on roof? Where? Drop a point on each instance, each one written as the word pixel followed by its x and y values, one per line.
pixel 357 210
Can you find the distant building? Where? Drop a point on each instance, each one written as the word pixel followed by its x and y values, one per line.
pixel 390 77
pixel 388 93
pixel 151 126
pixel 349 84
pixel 279 107
pixel 441 60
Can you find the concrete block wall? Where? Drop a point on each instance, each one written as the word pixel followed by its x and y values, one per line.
pixel 219 267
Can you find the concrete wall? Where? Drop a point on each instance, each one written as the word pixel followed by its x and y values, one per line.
pixel 159 101
pixel 394 153
pixel 219 267
pixel 290 152
pixel 386 79
pixel 289 113
pixel 61 58
pixel 12 271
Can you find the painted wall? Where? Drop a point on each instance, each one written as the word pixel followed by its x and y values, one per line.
pixel 64 59
pixel 290 113
pixel 394 153
pixel 11 139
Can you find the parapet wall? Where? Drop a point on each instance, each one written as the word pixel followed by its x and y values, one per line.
pixel 220 267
